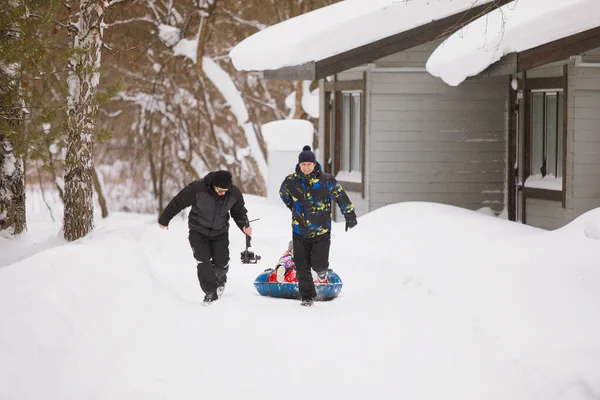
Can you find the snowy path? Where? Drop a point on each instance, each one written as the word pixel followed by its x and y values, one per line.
pixel 119 315
pixel 246 343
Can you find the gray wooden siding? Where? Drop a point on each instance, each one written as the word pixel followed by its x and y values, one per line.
pixel 413 58
pixel 427 141
pixel 432 142
pixel 507 65
pixel 585 175
pixel 591 56
pixel 350 75
pixel 544 214
pixel 547 71
pixel 361 206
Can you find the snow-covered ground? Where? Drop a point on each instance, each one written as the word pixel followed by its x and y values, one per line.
pixel 438 303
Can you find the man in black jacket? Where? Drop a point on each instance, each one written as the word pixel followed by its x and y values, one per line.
pixel 308 193
pixel 212 199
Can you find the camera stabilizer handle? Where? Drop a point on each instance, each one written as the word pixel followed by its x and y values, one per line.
pixel 247 256
pixel 248 238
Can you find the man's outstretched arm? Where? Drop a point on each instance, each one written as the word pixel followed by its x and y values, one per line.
pixel 183 199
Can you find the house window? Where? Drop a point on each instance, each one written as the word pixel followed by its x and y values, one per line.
pixel 351 136
pixel 344 135
pixel 539 145
pixel 547 137
pixel 545 133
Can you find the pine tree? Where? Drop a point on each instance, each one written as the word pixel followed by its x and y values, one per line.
pixel 22 27
pixel 12 185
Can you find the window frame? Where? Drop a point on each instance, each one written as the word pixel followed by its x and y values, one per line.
pixel 334 90
pixel 545 154
pixel 556 84
pixel 351 95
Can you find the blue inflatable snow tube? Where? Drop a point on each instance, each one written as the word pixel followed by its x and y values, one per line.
pixel 325 291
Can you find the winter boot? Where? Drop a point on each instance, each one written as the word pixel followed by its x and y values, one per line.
pixel 280 273
pixel 307 302
pixel 320 277
pixel 221 281
pixel 209 298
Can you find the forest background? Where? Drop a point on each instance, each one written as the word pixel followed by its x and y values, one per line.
pixel 119 104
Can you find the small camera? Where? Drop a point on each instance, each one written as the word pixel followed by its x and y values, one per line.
pixel 248 257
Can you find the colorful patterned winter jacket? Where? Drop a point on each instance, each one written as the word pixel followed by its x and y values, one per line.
pixel 287 260
pixel 309 198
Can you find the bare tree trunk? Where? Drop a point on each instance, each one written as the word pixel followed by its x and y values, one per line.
pixel 55 178
pixel 12 190
pixel 187 165
pixel 40 181
pixel 163 164
pixel 50 165
pixel 100 193
pixel 84 76
pixel 12 176
pixel 207 15
pixel 299 112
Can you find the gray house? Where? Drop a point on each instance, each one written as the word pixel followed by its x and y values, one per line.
pixel 391 132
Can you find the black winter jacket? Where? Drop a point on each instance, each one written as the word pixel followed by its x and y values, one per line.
pixel 209 215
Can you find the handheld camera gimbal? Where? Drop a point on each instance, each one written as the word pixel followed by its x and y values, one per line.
pixel 247 256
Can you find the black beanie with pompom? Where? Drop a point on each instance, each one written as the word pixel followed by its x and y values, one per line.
pixel 307 155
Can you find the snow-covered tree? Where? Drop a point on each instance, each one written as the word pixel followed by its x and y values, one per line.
pixel 23 28
pixel 186 110
pixel 12 185
pixel 12 178
pixel 85 41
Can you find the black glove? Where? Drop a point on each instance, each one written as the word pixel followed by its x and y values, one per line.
pixel 351 224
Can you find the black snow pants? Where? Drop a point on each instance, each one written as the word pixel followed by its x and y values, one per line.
pixel 212 254
pixel 310 253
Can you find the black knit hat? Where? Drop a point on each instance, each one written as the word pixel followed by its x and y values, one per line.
pixel 306 155
pixel 222 179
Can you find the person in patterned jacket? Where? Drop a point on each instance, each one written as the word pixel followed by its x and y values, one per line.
pixel 308 194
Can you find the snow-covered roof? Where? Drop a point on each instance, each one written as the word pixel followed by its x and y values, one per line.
pixel 341 27
pixel 515 27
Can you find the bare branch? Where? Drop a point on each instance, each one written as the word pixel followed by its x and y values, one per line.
pixel 145 18
pixel 255 24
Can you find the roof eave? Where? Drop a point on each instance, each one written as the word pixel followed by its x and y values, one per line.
pixel 559 49
pixel 555 51
pixel 303 72
pixel 383 47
